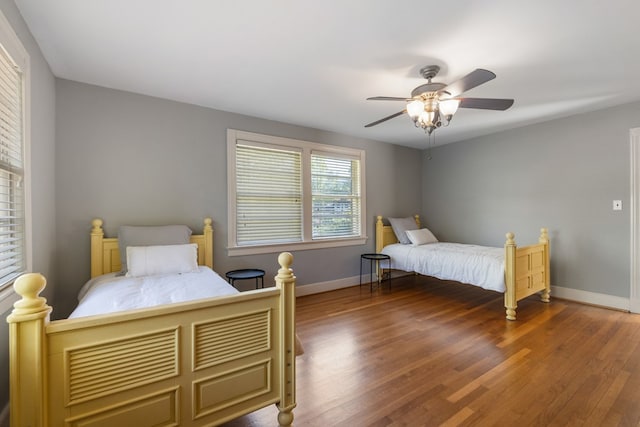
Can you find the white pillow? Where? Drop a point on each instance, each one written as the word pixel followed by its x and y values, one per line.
pixel 166 259
pixel 421 236
pixel 130 235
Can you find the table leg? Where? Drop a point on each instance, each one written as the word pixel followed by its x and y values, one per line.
pixel 370 275
pixel 388 272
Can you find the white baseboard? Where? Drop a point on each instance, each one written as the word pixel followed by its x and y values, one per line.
pixel 316 288
pixel 603 300
pixel 593 298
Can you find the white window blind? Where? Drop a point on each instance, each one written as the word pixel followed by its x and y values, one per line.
pixel 268 195
pixel 12 212
pixel 336 203
pixel 289 194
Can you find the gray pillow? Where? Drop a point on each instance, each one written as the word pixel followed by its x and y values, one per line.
pixel 130 235
pixel 400 226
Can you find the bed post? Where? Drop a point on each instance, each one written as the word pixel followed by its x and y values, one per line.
pixel 286 282
pixel 379 231
pixel 544 239
pixel 510 301
pixel 208 243
pixel 97 260
pixel 28 353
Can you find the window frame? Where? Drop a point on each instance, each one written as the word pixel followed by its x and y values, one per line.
pixel 16 51
pixel 306 147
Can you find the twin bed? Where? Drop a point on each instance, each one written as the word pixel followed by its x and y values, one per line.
pixel 518 272
pixel 184 358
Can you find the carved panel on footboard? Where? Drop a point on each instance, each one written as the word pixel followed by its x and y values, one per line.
pixel 531 270
pixel 201 365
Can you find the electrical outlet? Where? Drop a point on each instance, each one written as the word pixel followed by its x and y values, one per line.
pixel 617 205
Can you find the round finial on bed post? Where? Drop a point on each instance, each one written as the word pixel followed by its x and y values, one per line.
pixel 544 235
pixel 285 259
pixel 97 225
pixel 29 286
pixel 208 222
pixel 511 239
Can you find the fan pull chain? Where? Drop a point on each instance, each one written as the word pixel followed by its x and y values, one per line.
pixel 431 139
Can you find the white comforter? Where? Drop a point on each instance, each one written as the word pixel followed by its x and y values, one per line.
pixel 476 265
pixel 110 293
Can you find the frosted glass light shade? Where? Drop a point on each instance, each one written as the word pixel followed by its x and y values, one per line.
pixel 448 107
pixel 415 108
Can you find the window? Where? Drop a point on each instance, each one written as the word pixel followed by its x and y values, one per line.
pixel 286 193
pixel 335 193
pixel 13 248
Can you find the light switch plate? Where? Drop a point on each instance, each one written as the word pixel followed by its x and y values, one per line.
pixel 617 205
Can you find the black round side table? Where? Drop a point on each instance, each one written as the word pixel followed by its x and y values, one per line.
pixel 376 259
pixel 246 273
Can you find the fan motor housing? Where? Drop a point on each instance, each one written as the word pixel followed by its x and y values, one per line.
pixel 426 88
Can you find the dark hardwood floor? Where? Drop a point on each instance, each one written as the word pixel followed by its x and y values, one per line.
pixel 431 353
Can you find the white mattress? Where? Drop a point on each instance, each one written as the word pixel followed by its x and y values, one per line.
pixel 476 265
pixel 110 293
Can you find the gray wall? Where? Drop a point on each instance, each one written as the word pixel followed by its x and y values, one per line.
pixel 562 174
pixel 42 174
pixel 133 159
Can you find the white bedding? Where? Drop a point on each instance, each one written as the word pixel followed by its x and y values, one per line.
pixel 476 265
pixel 110 293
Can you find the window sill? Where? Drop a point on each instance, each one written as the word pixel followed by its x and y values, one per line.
pixel 294 246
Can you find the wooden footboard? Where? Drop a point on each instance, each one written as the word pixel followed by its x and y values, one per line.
pixel 189 364
pixel 526 271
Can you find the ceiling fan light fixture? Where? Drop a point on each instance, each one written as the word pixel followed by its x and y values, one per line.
pixel 427 120
pixel 433 104
pixel 448 108
pixel 415 108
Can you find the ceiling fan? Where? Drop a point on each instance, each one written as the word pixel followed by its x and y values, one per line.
pixel 433 104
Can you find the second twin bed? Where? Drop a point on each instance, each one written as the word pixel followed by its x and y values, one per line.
pixel 518 272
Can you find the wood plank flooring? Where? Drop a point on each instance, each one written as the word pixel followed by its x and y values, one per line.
pixel 433 353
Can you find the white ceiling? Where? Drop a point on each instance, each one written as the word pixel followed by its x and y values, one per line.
pixel 313 62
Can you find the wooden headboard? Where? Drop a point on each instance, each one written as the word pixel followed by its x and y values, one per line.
pixel 105 254
pixel 385 235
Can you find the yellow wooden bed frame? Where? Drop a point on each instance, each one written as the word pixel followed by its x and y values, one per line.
pixel 526 268
pixel 195 363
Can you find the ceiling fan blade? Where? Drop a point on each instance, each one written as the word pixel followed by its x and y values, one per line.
pixel 486 103
pixel 387 98
pixel 377 122
pixel 471 80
